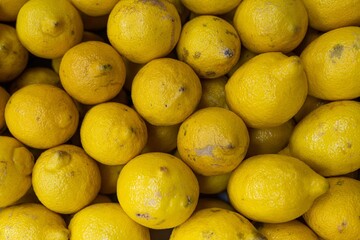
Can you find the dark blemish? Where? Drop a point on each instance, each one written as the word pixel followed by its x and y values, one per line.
pixel 231 33
pixel 182 89
pixel 56 24
pixel 228 53
pixel 194 159
pixel 216 19
pixel 258 236
pixel 230 146
pixel 185 53
pixel 72 32
pixel 340 182
pixel 240 235
pixel 143 215
pixel 342 226
pixel 296 29
pixel 188 201
pixel 37 118
pixel 166 105
pixel 337 51
pixel 72 173
pixel 185 133
pixel 215 210
pixel 164 169
pixel 196 55
pixel 207 234
pixel 106 67
pixel 125 110
pixel 349 145
pixel 210 73
pixel 204 25
pixel 132 129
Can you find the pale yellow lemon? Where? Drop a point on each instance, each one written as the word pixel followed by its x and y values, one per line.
pixel 274 188
pixel 94 7
pixel 161 138
pixel 328 138
pixel 16 164
pixel 210 7
pixel 49 28
pixel 41 116
pixel 9 9
pixel 165 91
pixel 210 45
pixel 213 141
pixel 143 30
pixel 281 89
pixel 4 97
pixel 213 92
pixel 65 179
pixel 157 190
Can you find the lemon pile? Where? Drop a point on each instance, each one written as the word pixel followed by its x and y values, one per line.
pixel 180 119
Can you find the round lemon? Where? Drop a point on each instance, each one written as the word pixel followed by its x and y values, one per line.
pixel 157 190
pixel 9 9
pixel 13 55
pixel 49 28
pixel 271 26
pixel 92 72
pixel 161 138
pixel 113 133
pixel 213 184
pixel 94 7
pixel 65 179
pixel 213 92
pixel 33 222
pixel 311 103
pixel 143 30
pixel 274 188
pixel 281 89
pixel 4 97
pixel 210 7
pixel 210 45
pixel 332 63
pixel 41 116
pixel 16 164
pixel 105 221
pixel 216 223
pixel 335 215
pixel 328 138
pixel 213 141
pixel 165 91
pixel 109 176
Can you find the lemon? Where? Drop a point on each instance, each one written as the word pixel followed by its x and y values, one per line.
pixel 311 35
pixel 9 9
pixel 102 75
pixel 65 179
pixel 165 91
pixel 143 30
pixel 311 103
pixel 157 190
pixel 16 163
pixel 33 222
pixel 161 138
pixel 213 92
pixel 94 7
pixel 213 184
pixel 109 176
pixel 41 116
pixel 213 141
pixel 105 221
pixel 271 26
pixel 210 45
pixel 274 188
pixel 113 133
pixel 210 7
pixel 204 203
pixel 4 97
pixel 335 215
pixel 182 10
pixel 292 230
pixel 13 55
pixel 216 224
pixel 327 139
pixel 325 15
pixel 49 28
pixel 245 55
pixel 331 63
pixel 281 89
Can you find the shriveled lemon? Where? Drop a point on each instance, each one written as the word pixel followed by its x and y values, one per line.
pixel 157 190
pixel 267 90
pixel 9 9
pixel 165 91
pixel 105 221
pixel 65 179
pixel 213 92
pixel 210 7
pixel 16 164
pixel 92 72
pixel 4 97
pixel 274 188
pixel 213 141
pixel 210 45
pixel 49 28
pixel 328 138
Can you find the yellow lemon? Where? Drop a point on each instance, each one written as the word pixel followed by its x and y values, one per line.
pixel 9 9
pixel 267 90
pixel 65 179
pixel 311 103
pixel 161 138
pixel 271 26
pixel 328 138
pixel 210 7
pixel 144 30
pixel 4 97
pixel 213 92
pixel 204 203
pixel 325 15
pixel 33 222
pixel 41 116
pixel 13 55
pixel 269 140
pixel 109 176
pixel 332 63
pixel 285 151
pixel 16 164
pixel 49 28
pixel 213 184
pixel 157 190
pixel 274 188
pixel 213 141
pixel 165 91
pixel 113 133
pixel 94 7
pixel 105 221
pixel 32 75
pixel 210 45
pixel 335 215
pixel 216 224
pixel 292 230
pixel 92 72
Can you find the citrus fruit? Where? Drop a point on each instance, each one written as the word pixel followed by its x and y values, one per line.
pixel 210 7
pixel 213 184
pixel 310 104
pixel 109 176
pixel 213 92
pixel 161 138
pixel 93 7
